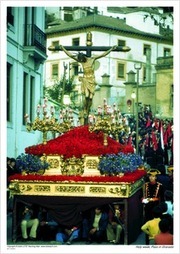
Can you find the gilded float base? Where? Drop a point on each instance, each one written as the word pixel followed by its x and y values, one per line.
pixel 75 189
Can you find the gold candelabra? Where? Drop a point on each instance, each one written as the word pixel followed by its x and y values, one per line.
pixel 50 123
pixel 108 120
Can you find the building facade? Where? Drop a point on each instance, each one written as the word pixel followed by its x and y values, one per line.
pixel 138 28
pixel 26 53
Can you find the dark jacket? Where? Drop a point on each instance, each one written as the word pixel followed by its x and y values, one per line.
pixel 102 222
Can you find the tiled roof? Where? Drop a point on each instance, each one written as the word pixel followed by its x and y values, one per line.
pixel 99 21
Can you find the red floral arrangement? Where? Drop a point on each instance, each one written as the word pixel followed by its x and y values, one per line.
pixel 77 142
pixel 127 178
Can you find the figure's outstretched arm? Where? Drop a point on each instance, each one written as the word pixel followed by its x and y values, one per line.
pixel 67 53
pixel 106 52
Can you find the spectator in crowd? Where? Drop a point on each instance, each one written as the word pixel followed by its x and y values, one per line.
pixel 29 220
pixel 114 227
pixel 164 237
pixel 168 209
pixel 168 197
pixel 151 227
pixel 163 178
pixel 165 215
pixel 8 160
pixel 170 171
pixel 11 168
pixel 95 226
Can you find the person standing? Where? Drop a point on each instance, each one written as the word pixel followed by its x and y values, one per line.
pixel 151 227
pixel 153 194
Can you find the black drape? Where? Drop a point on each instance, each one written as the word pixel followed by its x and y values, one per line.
pixel 65 210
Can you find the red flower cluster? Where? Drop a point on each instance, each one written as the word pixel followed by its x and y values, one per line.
pixel 77 142
pixel 127 178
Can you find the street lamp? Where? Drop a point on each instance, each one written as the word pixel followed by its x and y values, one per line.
pixel 133 96
pixel 137 67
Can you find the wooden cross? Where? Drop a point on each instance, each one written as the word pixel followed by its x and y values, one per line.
pixel 89 48
pixel 88 80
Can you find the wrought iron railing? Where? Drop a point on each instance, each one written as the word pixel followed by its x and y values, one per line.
pixel 35 37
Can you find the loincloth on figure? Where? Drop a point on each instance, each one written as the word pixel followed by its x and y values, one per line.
pixel 88 85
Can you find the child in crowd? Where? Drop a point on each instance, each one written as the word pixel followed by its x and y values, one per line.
pixel 164 237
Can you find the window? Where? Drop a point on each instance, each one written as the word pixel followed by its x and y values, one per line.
pixel 25 97
pixel 121 43
pixel 55 43
pixel 75 69
pixel 28 97
pixel 146 49
pixel 55 71
pixel 121 71
pixel 144 74
pixel 32 97
pixel 10 15
pixel 68 16
pixel 167 52
pixel 75 41
pixel 9 87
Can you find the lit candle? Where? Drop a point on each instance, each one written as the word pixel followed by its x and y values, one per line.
pixel 61 118
pixel 38 108
pixel 113 119
pixel 94 119
pixel 52 110
pixel 44 108
pixel 27 118
pixel 45 100
pixel 90 118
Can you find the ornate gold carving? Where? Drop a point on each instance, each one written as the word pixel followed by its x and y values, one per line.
pixel 17 188
pixel 97 189
pixel 73 166
pixel 91 162
pixel 134 187
pixel 120 191
pixel 71 189
pixel 14 188
pixel 24 187
pixel 54 161
pixel 42 188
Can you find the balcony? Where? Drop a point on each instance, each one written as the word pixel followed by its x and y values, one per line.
pixel 164 63
pixel 34 44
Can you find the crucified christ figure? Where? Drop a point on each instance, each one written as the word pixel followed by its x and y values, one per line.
pixel 88 82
